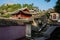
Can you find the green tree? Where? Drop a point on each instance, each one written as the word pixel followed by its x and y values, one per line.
pixel 25 5
pixel 14 7
pixel 47 14
pixel 31 6
pixel 57 7
pixel 6 15
pixel 47 0
pixel 10 8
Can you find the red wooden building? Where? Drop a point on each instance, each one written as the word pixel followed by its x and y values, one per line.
pixel 21 13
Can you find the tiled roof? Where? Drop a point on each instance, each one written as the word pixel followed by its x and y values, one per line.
pixel 30 11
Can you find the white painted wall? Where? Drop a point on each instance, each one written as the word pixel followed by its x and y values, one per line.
pixel 57 16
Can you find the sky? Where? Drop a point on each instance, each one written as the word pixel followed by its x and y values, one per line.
pixel 41 4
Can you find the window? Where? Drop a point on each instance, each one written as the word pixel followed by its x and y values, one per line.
pixel 54 16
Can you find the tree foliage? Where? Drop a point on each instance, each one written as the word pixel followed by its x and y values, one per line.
pixel 57 7
pixel 47 14
pixel 6 15
pixel 47 0
pixel 13 7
